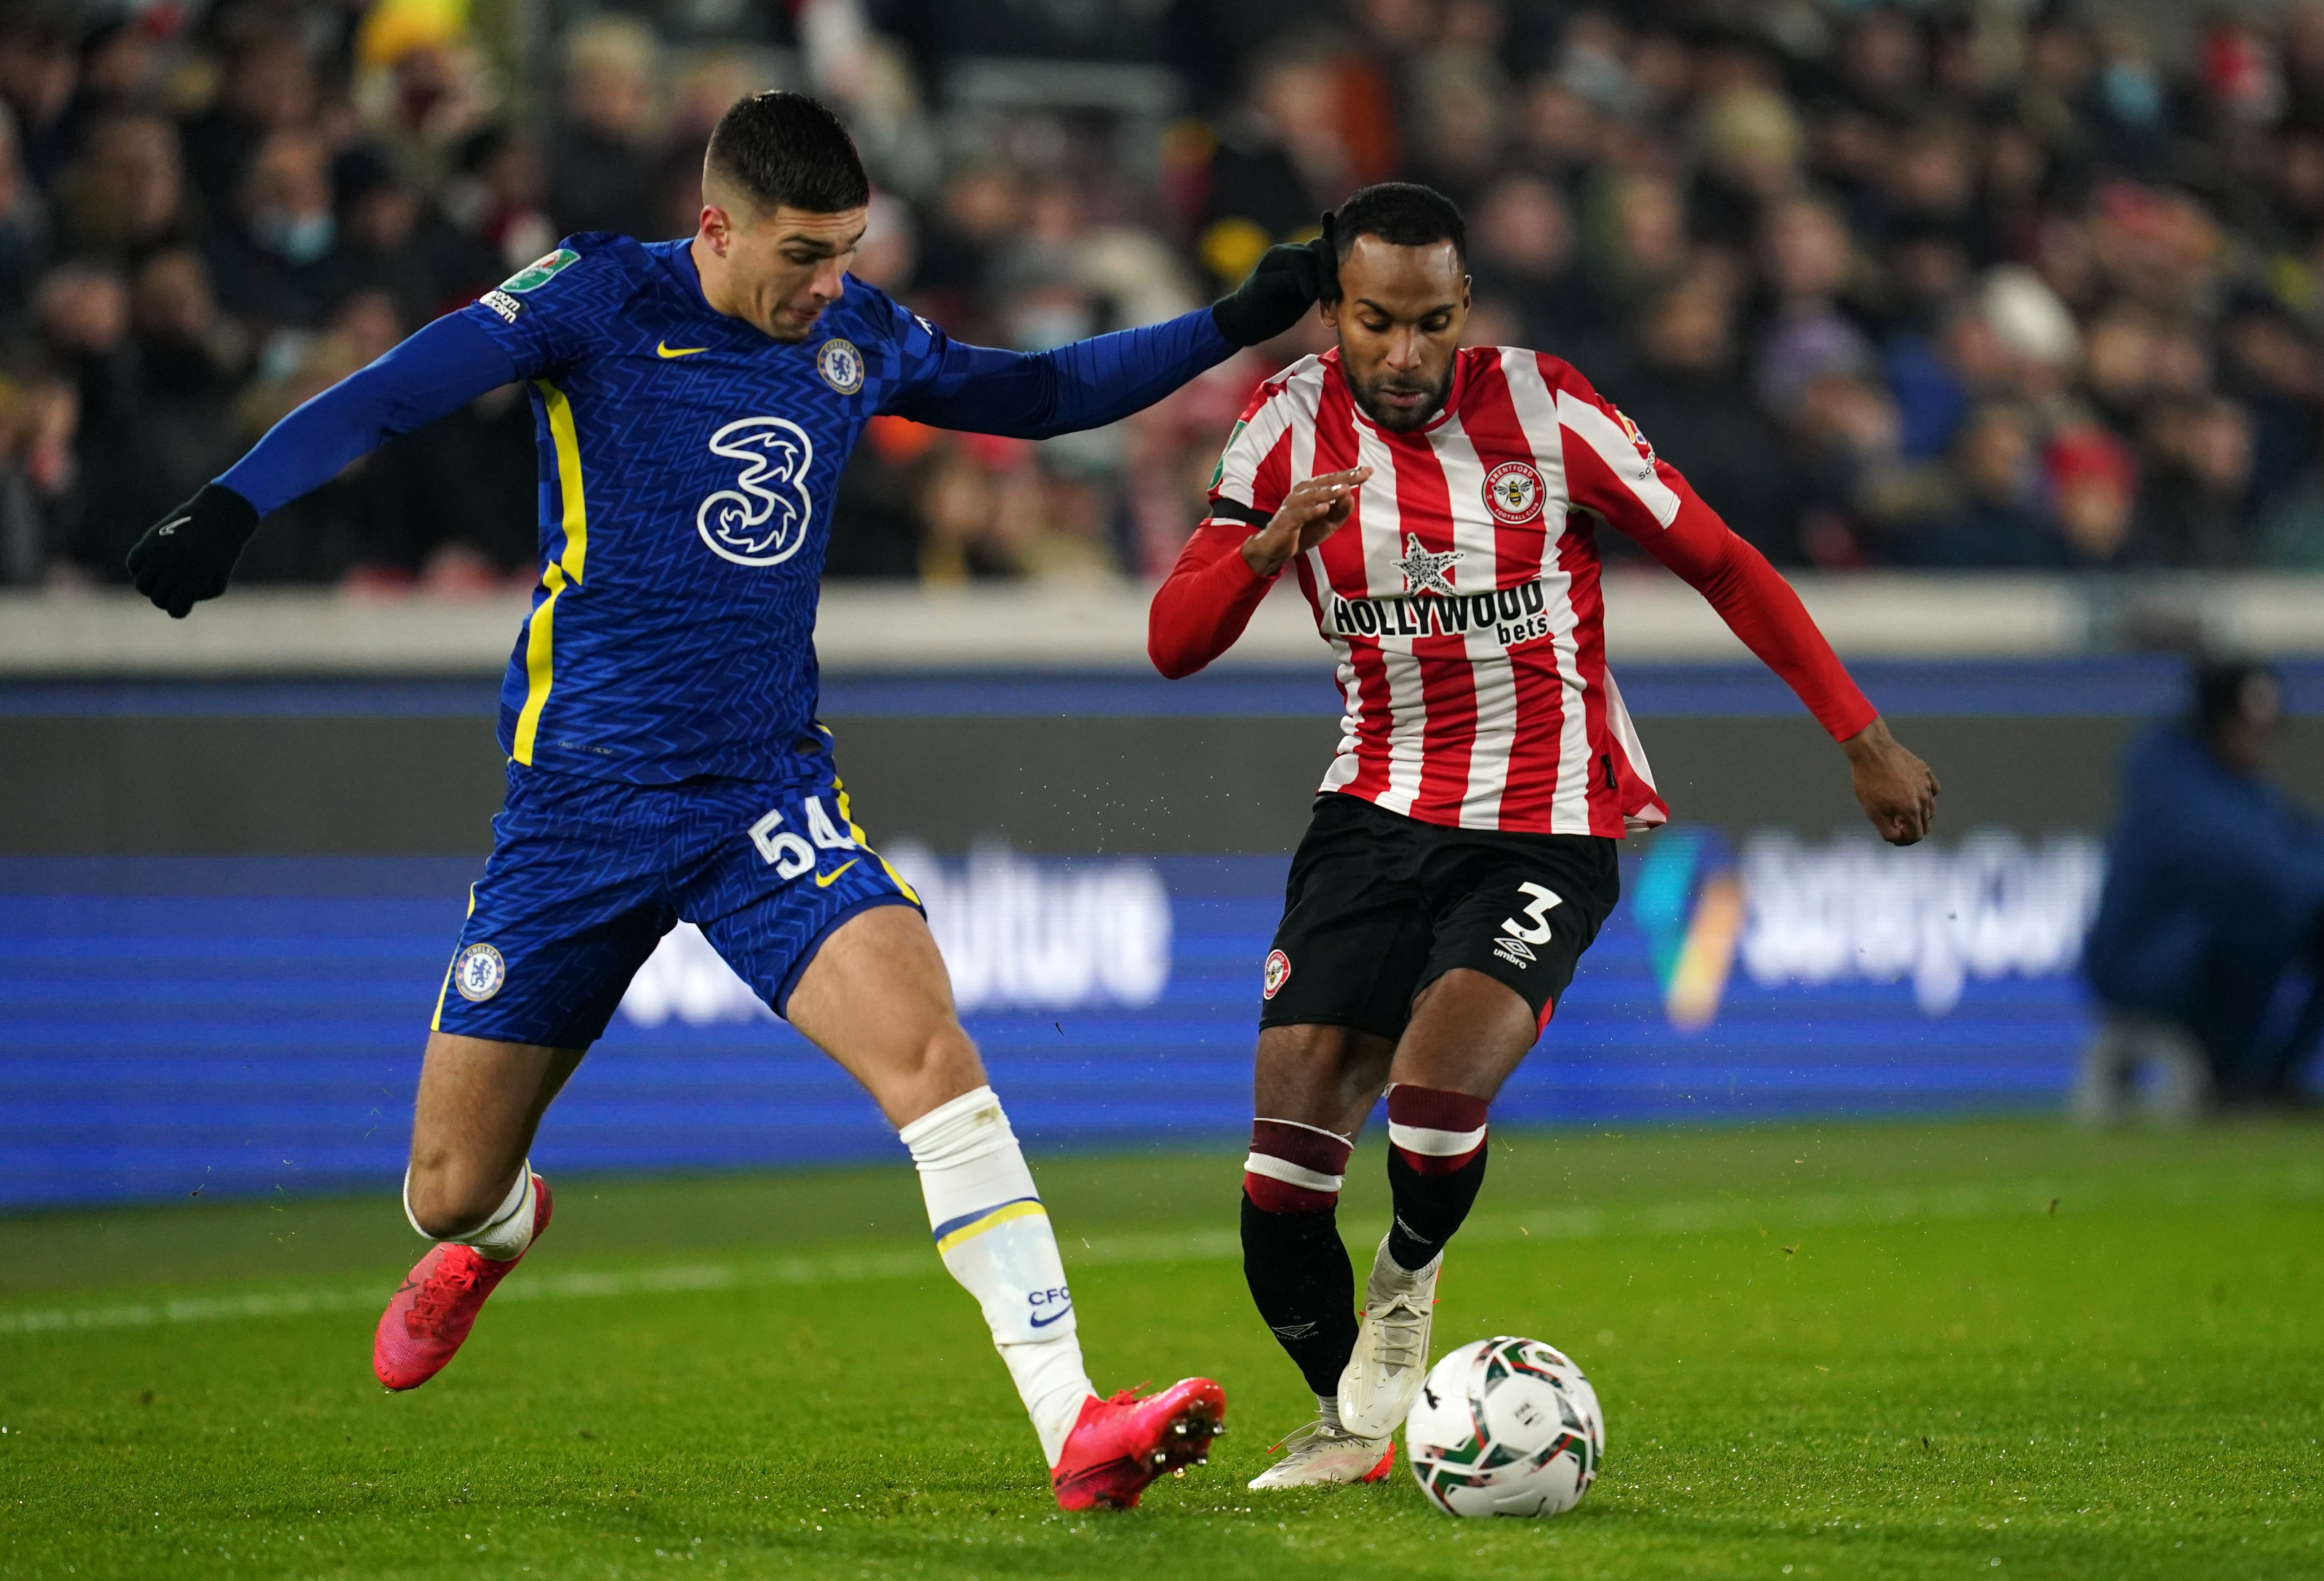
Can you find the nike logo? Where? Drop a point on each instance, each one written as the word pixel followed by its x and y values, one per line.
pixel 664 348
pixel 170 527
pixel 1039 1322
pixel 826 880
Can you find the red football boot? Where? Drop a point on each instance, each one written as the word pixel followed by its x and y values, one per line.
pixel 429 1316
pixel 1118 1446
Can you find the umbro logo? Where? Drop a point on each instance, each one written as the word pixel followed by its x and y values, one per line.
pixel 1293 1330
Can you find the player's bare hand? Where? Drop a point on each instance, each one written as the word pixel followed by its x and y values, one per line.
pixel 1896 789
pixel 1309 514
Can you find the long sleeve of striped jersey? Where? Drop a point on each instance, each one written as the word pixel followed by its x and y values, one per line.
pixel 1204 604
pixel 1613 473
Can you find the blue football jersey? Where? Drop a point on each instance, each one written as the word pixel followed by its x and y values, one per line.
pixel 688 467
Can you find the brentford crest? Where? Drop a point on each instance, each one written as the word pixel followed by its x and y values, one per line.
pixel 1513 493
pixel 1278 972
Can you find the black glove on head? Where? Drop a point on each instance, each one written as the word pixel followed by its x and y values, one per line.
pixel 188 556
pixel 1289 279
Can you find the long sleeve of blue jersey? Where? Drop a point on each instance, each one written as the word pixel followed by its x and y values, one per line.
pixel 450 362
pixel 1034 395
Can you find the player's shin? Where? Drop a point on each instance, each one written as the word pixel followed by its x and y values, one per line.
pixel 995 1239
pixel 1435 1164
pixel 1292 1257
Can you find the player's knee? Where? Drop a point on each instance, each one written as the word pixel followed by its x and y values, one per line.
pixel 929 1072
pixel 446 1201
pixel 1294 1168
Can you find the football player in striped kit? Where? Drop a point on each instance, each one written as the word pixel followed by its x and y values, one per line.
pixel 1439 507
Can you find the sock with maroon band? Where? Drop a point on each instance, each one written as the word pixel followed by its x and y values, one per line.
pixel 1435 1164
pixel 1292 1256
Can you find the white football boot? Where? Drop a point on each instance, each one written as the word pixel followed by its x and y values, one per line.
pixel 1383 1377
pixel 1320 1454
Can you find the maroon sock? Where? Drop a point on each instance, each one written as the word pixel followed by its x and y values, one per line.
pixel 1435 1164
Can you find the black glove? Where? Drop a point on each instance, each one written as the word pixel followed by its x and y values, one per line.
pixel 188 556
pixel 1289 279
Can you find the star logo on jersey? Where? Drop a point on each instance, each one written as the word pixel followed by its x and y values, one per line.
pixel 1428 573
pixel 761 519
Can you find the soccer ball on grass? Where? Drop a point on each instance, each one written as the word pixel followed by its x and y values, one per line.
pixel 1505 1427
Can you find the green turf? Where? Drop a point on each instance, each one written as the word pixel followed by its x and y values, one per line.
pixel 1836 1352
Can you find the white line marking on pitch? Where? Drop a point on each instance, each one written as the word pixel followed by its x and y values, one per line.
pixel 1576 1224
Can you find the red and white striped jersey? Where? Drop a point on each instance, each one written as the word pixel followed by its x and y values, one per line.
pixel 1461 597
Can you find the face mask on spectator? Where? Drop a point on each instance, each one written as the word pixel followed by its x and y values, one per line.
pixel 300 238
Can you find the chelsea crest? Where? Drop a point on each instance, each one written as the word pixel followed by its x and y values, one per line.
pixel 841 365
pixel 478 973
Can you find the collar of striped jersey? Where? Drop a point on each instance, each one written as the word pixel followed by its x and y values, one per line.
pixel 1460 363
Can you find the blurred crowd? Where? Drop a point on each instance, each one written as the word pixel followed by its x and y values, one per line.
pixel 1975 284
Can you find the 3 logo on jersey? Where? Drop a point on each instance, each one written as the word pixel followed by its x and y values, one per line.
pixel 763 519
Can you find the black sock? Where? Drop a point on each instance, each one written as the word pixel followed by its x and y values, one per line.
pixel 1300 1277
pixel 1428 1208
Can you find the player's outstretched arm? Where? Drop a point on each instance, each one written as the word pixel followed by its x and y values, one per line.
pixel 1225 570
pixel 189 554
pixel 1091 383
pixel 1896 789
pixel 1612 471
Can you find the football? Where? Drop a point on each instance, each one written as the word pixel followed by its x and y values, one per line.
pixel 1506 1427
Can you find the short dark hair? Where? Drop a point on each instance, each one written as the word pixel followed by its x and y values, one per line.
pixel 1402 214
pixel 788 151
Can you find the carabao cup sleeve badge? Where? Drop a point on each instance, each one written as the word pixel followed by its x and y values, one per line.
pixel 841 365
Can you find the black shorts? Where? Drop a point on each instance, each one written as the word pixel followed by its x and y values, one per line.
pixel 1379 906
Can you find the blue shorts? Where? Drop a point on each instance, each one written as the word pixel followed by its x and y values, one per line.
pixel 587 874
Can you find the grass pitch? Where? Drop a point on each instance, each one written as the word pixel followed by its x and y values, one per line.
pixel 1928 1350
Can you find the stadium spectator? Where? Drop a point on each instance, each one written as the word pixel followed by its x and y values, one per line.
pixel 1807 245
pixel 24 232
pixel 603 169
pixel 2214 896
pixel 126 195
pixel 274 265
pixel 267 86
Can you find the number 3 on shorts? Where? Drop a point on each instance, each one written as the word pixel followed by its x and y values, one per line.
pixel 1542 900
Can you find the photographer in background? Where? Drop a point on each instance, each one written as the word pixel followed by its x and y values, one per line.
pixel 2214 896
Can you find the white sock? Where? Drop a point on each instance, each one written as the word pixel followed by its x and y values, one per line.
pixel 1327 1411
pixel 502 1237
pixel 995 1239
pixel 1390 1277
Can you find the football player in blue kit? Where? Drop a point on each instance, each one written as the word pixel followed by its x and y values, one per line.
pixel 695 402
